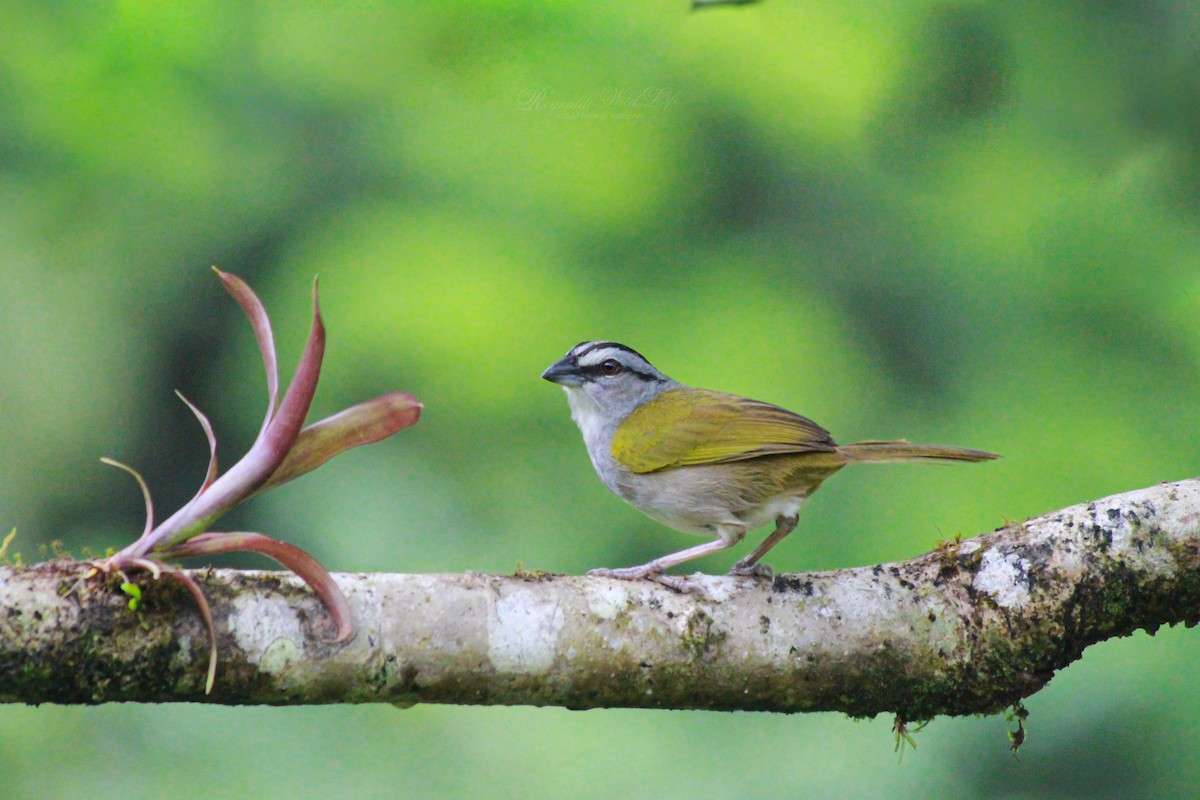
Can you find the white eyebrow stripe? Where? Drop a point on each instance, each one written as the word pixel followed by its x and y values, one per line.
pixel 608 348
pixel 594 357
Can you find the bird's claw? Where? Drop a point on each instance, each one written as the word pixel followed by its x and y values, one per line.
pixel 624 573
pixel 759 570
pixel 649 572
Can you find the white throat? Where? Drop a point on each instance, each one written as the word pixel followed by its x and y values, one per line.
pixel 585 412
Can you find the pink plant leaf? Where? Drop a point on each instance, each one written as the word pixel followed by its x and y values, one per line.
pixel 205 610
pixel 145 493
pixel 290 556
pixel 365 423
pixel 261 323
pixel 281 433
pixel 157 569
pixel 211 474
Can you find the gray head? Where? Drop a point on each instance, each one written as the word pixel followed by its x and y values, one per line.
pixel 606 379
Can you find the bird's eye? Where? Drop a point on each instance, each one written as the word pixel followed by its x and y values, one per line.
pixel 610 366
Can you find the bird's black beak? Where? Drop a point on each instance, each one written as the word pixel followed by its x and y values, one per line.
pixel 564 373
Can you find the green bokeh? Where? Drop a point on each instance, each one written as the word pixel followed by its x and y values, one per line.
pixel 959 222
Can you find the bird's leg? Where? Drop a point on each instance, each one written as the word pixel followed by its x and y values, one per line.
pixel 727 537
pixel 749 565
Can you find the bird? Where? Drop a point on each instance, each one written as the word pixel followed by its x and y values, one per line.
pixel 706 462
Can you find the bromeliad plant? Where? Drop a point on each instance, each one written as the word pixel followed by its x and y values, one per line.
pixel 281 452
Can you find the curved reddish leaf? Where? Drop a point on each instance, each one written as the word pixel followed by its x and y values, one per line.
pixel 283 429
pixel 202 606
pixel 360 424
pixel 145 493
pixel 157 569
pixel 290 556
pixel 211 474
pixel 261 323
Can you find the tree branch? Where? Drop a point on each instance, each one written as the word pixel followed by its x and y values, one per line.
pixel 970 628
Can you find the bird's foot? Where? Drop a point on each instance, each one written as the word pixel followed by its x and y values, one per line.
pixel 626 573
pixel 678 583
pixel 650 571
pixel 753 570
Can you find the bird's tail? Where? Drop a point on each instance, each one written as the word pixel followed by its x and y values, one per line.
pixel 901 450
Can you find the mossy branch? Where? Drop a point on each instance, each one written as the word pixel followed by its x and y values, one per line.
pixel 970 628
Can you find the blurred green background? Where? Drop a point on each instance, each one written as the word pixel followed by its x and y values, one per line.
pixel 957 222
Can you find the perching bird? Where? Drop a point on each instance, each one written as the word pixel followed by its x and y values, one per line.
pixel 705 462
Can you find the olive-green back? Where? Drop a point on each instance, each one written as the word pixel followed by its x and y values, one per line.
pixel 696 426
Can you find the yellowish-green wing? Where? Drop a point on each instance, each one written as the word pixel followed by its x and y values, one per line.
pixel 695 426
